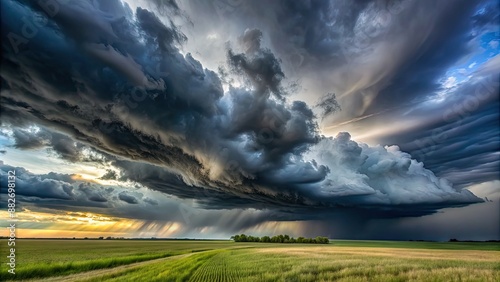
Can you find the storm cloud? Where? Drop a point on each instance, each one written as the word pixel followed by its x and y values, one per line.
pixel 395 88
pixel 99 76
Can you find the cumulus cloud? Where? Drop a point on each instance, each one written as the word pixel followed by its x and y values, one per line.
pixel 130 199
pixel 166 120
pixel 381 176
pixel 30 185
pixel 25 140
pixel 109 175
pixel 95 194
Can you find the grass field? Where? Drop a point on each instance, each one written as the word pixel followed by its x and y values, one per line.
pixel 342 260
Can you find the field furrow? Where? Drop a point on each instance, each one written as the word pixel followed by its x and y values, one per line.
pixel 228 262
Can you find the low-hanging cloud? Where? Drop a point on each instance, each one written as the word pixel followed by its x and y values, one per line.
pixel 130 199
pixel 119 84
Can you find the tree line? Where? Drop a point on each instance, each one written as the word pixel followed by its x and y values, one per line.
pixel 280 239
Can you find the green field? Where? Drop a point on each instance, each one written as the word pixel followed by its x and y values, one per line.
pixel 342 260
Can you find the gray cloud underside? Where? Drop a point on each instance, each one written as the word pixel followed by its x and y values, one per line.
pixel 114 80
pixel 56 193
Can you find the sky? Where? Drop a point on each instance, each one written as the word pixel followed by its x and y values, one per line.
pixel 357 119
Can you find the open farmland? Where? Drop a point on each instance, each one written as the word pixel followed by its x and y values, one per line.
pixel 135 260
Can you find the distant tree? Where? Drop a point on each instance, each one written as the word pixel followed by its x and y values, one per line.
pixel 280 239
pixel 253 239
pixel 322 240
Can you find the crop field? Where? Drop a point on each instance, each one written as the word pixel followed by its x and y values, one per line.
pixel 141 260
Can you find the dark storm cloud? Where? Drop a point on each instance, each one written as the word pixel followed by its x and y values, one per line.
pixel 337 33
pixel 466 223
pixel 25 140
pixel 68 178
pixel 462 147
pixel 459 136
pixel 164 181
pixel 57 195
pixel 62 145
pixel 262 68
pixel 109 175
pixel 65 147
pixel 157 32
pixel 317 27
pixel 61 192
pixel 451 39
pixel 363 49
pixel 124 196
pixel 115 80
pixel 93 193
pixel 31 185
pixel 328 104
pixel 150 201
pixel 55 189
pixel 167 6
pixel 341 223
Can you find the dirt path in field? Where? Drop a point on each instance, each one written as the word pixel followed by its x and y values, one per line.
pixel 93 273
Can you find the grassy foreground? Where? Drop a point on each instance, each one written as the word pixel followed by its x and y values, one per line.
pixel 69 260
pixel 46 258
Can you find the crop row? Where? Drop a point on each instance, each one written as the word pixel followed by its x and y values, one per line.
pixel 217 269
